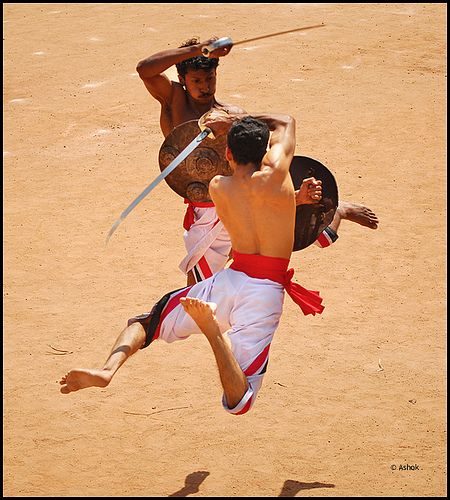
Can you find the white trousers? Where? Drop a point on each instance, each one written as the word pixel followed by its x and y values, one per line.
pixel 207 243
pixel 248 311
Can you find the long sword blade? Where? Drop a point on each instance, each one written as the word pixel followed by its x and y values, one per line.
pixel 279 33
pixel 170 168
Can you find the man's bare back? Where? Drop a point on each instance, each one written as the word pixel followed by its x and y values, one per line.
pixel 252 202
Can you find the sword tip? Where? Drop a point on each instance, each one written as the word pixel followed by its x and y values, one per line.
pixel 111 231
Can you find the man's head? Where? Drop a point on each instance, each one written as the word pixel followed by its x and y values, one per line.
pixel 198 74
pixel 247 140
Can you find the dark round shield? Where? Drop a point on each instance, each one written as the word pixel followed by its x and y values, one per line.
pixel 191 178
pixel 311 220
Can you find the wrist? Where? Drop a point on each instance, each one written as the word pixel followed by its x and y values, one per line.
pixel 199 48
pixel 190 51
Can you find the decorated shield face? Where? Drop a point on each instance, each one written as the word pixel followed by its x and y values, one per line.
pixel 191 179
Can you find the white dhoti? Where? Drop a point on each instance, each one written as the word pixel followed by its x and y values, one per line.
pixel 249 297
pixel 248 311
pixel 207 243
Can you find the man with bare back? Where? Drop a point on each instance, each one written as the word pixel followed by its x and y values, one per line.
pixel 257 206
pixel 189 99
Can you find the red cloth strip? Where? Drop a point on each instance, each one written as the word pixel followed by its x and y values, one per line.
pixel 246 407
pixel 206 270
pixel 259 361
pixel 276 269
pixel 189 216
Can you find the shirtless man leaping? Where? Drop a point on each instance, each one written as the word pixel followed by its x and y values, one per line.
pixel 257 205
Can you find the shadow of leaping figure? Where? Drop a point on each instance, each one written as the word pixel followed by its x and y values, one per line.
pixel 191 484
pixel 291 488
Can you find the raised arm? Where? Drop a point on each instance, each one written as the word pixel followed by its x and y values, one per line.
pixel 281 143
pixel 151 70
pixel 282 140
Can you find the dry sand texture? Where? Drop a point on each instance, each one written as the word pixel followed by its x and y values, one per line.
pixel 348 395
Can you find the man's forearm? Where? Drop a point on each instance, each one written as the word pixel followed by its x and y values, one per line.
pixel 274 121
pixel 159 62
pixel 232 377
pixel 277 123
pixel 283 131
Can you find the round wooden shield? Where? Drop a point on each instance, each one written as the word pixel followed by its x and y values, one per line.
pixel 311 220
pixel 191 178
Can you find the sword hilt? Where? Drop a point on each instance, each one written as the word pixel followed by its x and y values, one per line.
pixel 203 128
pixel 217 44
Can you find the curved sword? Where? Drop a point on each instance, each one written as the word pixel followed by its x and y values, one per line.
pixel 170 168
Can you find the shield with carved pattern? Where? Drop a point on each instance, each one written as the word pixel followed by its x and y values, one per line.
pixel 191 178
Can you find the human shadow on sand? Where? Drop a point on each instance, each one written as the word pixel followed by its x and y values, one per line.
pixel 291 488
pixel 191 484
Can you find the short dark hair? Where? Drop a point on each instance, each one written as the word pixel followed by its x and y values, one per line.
pixel 197 62
pixel 247 140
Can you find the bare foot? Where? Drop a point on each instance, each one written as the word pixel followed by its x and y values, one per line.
pixel 358 213
pixel 203 313
pixel 81 379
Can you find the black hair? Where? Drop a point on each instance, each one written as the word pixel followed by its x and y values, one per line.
pixel 197 62
pixel 247 140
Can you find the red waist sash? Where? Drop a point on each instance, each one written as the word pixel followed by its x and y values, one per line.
pixel 189 216
pixel 276 269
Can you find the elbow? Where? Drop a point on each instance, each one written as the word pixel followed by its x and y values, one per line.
pixel 290 120
pixel 144 66
pixel 291 125
pixel 140 67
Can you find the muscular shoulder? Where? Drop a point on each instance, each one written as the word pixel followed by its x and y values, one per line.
pixel 161 88
pixel 231 108
pixel 214 183
pixel 217 185
pixel 178 101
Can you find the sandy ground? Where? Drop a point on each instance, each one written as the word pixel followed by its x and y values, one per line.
pixel 81 139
